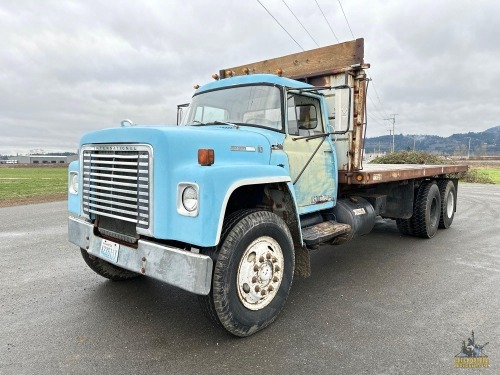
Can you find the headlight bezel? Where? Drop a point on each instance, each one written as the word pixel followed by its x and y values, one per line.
pixel 73 183
pixel 188 198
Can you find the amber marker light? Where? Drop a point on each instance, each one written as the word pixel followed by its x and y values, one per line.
pixel 359 177
pixel 246 71
pixel 206 156
pixel 229 73
pixel 279 72
pixel 196 87
pixel 215 76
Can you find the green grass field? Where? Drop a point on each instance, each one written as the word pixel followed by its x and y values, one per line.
pixel 18 183
pixel 493 173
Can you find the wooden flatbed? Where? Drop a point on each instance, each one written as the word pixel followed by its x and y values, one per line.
pixel 380 173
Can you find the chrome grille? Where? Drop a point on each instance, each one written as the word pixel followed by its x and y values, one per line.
pixel 116 182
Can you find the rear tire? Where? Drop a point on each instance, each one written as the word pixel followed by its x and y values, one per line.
pixel 448 202
pixel 106 269
pixel 426 210
pixel 253 272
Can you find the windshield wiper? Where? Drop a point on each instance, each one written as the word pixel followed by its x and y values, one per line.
pixel 312 136
pixel 199 123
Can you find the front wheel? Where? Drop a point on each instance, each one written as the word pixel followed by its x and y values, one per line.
pixel 253 273
pixel 106 269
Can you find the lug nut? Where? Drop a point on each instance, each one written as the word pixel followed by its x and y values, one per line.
pixel 270 289
pixel 256 268
pixel 257 289
pixel 277 268
pixel 261 259
pixel 275 259
pixel 275 279
pixel 254 279
pixel 263 292
pixel 268 255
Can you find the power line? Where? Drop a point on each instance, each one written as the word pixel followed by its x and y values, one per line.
pixel 378 97
pixel 328 23
pixel 300 23
pixel 346 20
pixel 375 119
pixel 280 25
pixel 375 105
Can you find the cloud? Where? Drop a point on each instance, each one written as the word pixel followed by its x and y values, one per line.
pixel 71 67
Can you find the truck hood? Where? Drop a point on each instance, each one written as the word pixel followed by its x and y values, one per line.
pixel 235 145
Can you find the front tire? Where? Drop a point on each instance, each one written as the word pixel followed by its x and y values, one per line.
pixel 253 273
pixel 106 269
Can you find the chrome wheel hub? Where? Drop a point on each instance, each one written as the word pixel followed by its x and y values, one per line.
pixel 260 273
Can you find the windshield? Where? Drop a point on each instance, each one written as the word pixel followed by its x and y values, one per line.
pixel 245 105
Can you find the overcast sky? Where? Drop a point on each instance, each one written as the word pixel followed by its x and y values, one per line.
pixel 69 67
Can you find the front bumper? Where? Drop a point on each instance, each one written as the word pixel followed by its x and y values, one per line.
pixel 181 268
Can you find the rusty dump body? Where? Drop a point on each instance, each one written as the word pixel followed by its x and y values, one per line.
pixel 332 66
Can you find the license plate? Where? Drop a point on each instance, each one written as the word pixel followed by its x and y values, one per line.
pixel 109 250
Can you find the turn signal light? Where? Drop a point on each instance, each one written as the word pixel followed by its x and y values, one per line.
pixel 229 73
pixel 206 156
pixel 359 177
pixel 279 72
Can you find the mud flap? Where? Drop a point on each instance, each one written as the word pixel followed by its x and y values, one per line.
pixel 302 262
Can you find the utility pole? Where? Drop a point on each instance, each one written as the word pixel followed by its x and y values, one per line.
pixel 392 118
pixel 391 145
pixel 468 151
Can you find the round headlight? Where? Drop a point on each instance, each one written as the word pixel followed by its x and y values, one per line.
pixel 73 183
pixel 190 198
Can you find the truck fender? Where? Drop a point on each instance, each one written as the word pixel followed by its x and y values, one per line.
pixel 286 209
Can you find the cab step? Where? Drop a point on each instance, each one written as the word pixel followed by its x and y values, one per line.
pixel 323 232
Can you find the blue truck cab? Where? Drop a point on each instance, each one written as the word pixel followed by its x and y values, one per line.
pixel 159 200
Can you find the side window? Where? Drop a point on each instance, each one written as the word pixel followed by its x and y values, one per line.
pixel 303 114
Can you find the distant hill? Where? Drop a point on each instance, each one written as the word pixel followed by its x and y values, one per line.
pixel 483 143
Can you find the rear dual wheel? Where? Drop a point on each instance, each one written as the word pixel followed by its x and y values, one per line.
pixel 426 210
pixel 448 202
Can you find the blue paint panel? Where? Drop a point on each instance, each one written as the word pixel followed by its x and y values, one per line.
pixel 252 79
pixel 175 151
pixel 74 199
pixel 215 185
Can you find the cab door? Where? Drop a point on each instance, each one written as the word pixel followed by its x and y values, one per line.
pixel 311 159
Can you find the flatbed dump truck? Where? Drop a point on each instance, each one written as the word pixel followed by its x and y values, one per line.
pixel 265 167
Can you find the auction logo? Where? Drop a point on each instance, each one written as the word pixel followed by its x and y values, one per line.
pixel 472 355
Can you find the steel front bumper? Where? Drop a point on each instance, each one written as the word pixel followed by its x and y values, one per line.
pixel 181 268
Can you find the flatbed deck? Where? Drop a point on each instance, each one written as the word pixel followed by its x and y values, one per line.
pixel 380 173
